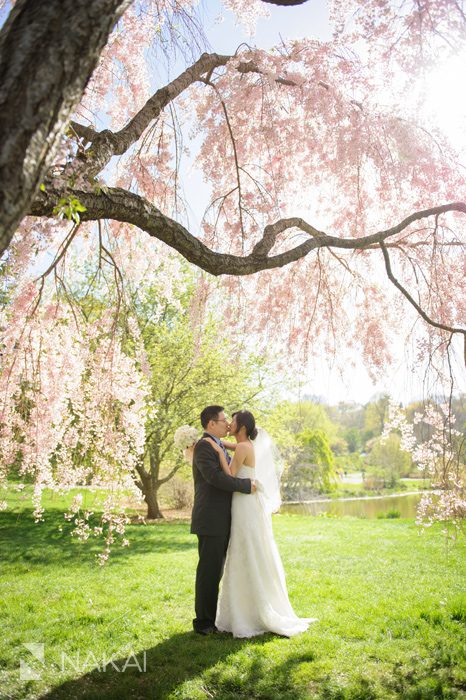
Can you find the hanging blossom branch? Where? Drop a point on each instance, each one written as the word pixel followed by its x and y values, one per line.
pixel 107 143
pixel 121 205
pixel 438 457
pixel 412 301
pixel 124 206
pixel 235 155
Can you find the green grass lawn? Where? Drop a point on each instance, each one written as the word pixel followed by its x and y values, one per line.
pixel 390 603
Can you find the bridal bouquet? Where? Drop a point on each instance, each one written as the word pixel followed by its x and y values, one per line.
pixel 185 437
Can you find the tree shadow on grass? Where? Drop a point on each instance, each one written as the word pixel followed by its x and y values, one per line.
pixel 23 541
pixel 167 665
pixel 207 667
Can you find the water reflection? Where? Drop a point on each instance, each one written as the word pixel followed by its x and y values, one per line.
pixel 370 507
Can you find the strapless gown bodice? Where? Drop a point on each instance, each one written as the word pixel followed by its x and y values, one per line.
pixel 245 472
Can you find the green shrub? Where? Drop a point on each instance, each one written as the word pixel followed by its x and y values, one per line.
pixel 389 514
pixel 393 513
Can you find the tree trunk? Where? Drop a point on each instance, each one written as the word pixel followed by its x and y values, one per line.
pixel 48 51
pixel 150 497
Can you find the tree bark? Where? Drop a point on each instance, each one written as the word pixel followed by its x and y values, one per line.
pixel 150 497
pixel 149 486
pixel 48 51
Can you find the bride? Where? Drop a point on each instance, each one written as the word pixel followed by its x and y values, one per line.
pixel 254 598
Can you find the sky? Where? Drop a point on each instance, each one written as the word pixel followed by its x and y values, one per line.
pixel 308 20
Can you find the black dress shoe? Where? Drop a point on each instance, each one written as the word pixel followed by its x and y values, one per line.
pixel 207 630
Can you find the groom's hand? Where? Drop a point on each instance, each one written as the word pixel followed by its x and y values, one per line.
pixel 253 486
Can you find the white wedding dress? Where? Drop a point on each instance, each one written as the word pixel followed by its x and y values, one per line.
pixel 253 598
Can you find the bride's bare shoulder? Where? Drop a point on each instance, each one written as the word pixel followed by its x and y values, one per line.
pixel 246 450
pixel 244 446
pixel 241 448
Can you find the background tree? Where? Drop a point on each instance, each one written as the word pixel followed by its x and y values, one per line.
pixel 287 419
pixel 350 417
pixel 388 461
pixel 375 415
pixel 305 436
pixel 352 437
pixel 312 469
pixel 191 366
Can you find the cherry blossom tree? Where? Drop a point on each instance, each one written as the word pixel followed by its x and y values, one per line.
pixel 74 408
pixel 441 457
pixel 245 108
pixel 336 212
pixel 58 48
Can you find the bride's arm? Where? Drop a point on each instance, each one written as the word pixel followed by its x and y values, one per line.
pixel 238 458
pixel 223 460
pixel 230 445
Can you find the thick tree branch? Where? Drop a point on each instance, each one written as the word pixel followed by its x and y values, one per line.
pixel 169 475
pixel 120 205
pixel 48 50
pixel 107 143
pixel 235 156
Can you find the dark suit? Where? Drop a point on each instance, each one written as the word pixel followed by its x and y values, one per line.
pixel 211 522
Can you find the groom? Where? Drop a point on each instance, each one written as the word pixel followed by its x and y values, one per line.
pixel 211 516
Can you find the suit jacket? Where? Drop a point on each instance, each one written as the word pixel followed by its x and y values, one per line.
pixel 211 514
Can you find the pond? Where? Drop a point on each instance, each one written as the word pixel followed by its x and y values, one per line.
pixel 361 507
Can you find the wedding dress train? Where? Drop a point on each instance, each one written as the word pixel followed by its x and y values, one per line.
pixel 253 598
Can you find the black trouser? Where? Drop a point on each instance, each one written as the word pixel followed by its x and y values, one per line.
pixel 212 552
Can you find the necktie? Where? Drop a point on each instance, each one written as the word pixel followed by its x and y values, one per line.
pixel 226 453
pixel 219 442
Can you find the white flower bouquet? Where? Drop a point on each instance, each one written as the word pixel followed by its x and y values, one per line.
pixel 185 437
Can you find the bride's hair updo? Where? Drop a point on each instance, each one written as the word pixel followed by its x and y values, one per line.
pixel 246 419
